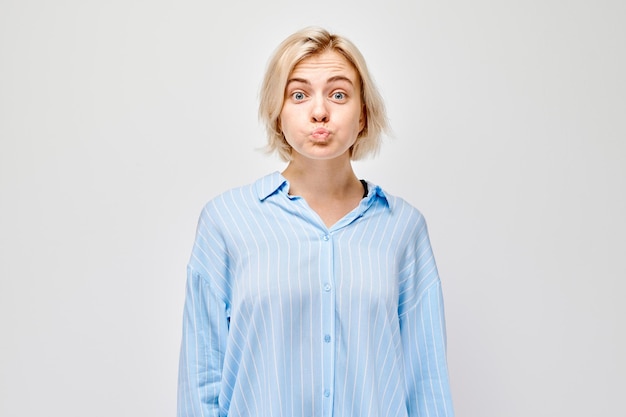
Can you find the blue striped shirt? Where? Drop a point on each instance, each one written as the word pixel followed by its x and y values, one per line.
pixel 286 317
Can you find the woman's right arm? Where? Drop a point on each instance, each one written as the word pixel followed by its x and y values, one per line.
pixel 205 330
pixel 205 324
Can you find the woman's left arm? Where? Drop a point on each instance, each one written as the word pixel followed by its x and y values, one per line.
pixel 423 330
pixel 424 344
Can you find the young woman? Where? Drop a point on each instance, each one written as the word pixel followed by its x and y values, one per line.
pixel 311 292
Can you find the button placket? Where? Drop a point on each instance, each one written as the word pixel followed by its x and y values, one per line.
pixel 328 324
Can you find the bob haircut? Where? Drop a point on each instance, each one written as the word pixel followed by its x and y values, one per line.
pixel 297 47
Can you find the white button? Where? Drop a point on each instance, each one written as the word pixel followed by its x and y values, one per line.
pixel 326 237
pixel 327 287
pixel 327 393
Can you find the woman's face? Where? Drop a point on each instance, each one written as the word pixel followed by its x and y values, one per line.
pixel 322 114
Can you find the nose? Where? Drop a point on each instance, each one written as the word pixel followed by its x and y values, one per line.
pixel 319 112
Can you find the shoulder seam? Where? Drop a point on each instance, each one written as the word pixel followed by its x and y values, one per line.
pixel 436 282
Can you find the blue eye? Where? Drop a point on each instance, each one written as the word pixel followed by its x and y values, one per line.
pixel 339 96
pixel 298 96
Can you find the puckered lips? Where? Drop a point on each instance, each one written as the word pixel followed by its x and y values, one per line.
pixel 320 133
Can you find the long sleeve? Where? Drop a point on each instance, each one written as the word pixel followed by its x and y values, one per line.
pixel 423 330
pixel 205 330
pixel 205 324
pixel 424 343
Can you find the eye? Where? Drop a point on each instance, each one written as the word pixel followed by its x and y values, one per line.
pixel 338 95
pixel 298 95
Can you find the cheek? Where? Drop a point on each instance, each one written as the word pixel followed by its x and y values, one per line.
pixel 288 118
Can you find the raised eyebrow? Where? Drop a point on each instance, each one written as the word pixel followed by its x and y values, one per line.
pixel 298 80
pixel 340 78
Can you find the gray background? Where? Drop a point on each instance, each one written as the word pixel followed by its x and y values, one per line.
pixel 120 119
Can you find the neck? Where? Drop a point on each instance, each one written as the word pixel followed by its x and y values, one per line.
pixel 328 186
pixel 321 179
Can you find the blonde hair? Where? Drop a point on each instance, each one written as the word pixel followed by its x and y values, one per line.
pixel 297 47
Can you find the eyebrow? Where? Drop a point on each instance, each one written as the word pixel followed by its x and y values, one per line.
pixel 330 80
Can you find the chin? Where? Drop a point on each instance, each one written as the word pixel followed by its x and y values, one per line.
pixel 326 156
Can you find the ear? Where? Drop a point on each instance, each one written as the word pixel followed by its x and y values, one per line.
pixel 362 120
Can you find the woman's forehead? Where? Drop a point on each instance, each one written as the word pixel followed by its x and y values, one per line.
pixel 328 62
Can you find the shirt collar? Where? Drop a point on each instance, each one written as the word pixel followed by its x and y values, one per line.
pixel 270 184
pixel 274 182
